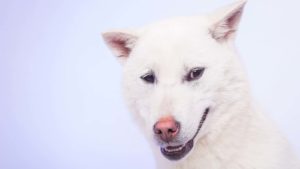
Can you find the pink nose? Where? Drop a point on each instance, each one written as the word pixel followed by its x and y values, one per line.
pixel 166 128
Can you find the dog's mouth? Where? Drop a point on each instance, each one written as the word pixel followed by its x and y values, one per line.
pixel 179 151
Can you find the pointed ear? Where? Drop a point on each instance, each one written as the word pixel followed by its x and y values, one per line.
pixel 120 43
pixel 226 21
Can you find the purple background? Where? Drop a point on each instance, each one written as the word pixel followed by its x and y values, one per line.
pixel 60 102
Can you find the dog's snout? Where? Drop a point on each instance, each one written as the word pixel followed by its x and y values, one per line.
pixel 166 128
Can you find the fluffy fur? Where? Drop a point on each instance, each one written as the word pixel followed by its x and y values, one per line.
pixel 235 135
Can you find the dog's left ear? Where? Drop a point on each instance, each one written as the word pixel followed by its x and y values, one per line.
pixel 226 21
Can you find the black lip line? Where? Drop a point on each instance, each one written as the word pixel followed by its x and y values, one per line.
pixel 201 122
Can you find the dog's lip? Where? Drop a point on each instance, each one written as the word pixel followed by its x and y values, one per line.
pixel 179 151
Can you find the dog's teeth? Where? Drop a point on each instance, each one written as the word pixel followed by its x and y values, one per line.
pixel 175 149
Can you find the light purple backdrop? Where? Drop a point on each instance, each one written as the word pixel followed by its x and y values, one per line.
pixel 60 102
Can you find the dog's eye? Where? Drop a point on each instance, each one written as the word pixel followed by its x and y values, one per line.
pixel 149 77
pixel 194 74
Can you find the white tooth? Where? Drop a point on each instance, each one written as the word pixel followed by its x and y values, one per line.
pixel 174 150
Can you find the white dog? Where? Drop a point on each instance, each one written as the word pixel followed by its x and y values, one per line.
pixel 186 88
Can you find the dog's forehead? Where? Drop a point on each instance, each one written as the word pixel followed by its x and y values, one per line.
pixel 174 41
pixel 176 31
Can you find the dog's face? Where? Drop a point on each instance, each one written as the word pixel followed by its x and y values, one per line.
pixel 174 74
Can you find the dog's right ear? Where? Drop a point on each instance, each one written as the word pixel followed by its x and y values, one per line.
pixel 121 43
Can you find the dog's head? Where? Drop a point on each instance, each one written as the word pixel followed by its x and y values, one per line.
pixel 176 73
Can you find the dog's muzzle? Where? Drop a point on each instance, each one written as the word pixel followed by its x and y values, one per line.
pixel 168 129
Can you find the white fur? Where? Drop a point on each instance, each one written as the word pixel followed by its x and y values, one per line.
pixel 235 135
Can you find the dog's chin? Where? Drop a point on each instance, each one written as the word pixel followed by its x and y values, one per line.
pixel 177 152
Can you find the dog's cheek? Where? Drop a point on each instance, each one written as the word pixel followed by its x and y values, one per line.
pixel 139 104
